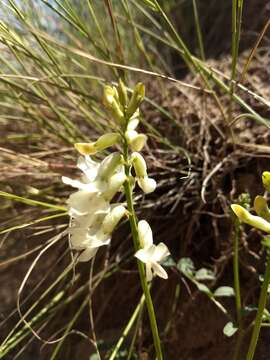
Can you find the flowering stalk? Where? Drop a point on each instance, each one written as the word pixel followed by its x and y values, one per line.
pixel 130 138
pixel 135 236
pixel 94 216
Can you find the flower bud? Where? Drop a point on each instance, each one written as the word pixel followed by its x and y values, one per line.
pixel 107 140
pixel 109 165
pixel 109 95
pixel 135 140
pixel 111 101
pixel 136 99
pixel 139 164
pixel 112 219
pixel 246 217
pixel 261 208
pixel 266 180
pixel 86 148
pixel 147 184
pixel 122 91
pixel 102 143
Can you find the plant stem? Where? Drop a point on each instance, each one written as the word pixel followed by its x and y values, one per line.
pixel 237 288
pixel 134 231
pixel 259 315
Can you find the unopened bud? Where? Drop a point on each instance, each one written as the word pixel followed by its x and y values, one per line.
pixel 266 180
pixel 139 164
pixel 109 95
pixel 246 217
pixel 102 143
pixel 261 208
pixel 111 101
pixel 107 140
pixel 86 148
pixel 136 99
pixel 122 92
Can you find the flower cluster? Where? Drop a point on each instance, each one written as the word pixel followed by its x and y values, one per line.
pixel 93 215
pixel 260 221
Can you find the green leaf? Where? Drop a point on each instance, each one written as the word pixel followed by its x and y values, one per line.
pixel 229 329
pixel 186 266
pixel 150 4
pixel 32 202
pixel 168 262
pixel 224 291
pixel 204 274
pixel 203 288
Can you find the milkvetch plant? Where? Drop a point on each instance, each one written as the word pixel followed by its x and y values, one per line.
pixel 94 215
pixel 260 221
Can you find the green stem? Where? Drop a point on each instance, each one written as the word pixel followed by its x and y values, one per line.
pixel 259 315
pixel 237 288
pixel 135 236
pixel 236 273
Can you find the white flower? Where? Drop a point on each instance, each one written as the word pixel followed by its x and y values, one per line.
pixel 92 217
pixel 97 176
pixel 151 254
pixel 83 202
pixel 147 184
pixel 135 140
pixel 89 237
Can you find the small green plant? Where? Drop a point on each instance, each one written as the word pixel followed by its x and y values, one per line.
pixel 93 214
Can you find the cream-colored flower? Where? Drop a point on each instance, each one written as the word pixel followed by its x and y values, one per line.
pixel 135 140
pixel 89 236
pixel 151 254
pixel 146 183
pixel 97 176
pixel 83 202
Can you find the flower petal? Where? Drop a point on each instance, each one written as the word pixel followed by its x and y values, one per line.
pixel 149 274
pixel 147 184
pixel 87 254
pixel 145 234
pixel 74 183
pixel 145 254
pixel 161 252
pixel 99 239
pixel 88 166
pixel 159 271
